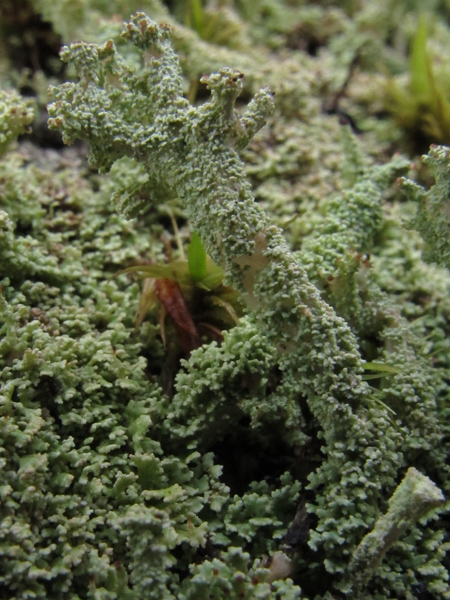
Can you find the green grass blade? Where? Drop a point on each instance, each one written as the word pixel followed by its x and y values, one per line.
pixel 382 367
pixel 196 258
pixel 419 62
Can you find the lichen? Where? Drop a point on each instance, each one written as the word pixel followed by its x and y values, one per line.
pixel 316 349
pixel 432 217
pixel 15 117
pixel 276 464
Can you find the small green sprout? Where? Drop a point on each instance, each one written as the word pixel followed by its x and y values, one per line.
pixel 213 22
pixel 195 16
pixel 422 106
pixel 191 293
pixel 194 305
pixel 197 259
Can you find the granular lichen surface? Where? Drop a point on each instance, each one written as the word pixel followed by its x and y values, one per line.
pixel 301 451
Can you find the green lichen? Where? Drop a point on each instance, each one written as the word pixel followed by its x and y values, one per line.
pixel 192 152
pixel 432 218
pixel 87 488
pixel 278 460
pixel 15 118
pixel 414 498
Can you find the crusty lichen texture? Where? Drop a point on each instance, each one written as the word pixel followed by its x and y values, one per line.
pixel 414 498
pixel 92 503
pixel 15 117
pixel 432 220
pixel 135 108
